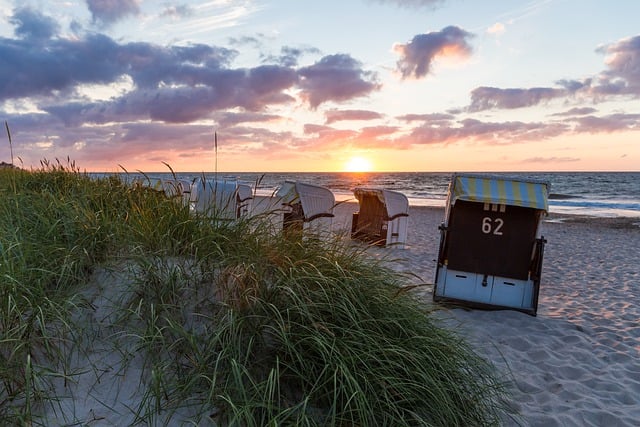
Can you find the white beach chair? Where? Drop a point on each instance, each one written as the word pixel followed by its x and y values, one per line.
pixel 307 207
pixel 153 183
pixel 221 198
pixel 179 189
pixel 382 218
pixel 244 199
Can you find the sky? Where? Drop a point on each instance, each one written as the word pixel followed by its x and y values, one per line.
pixel 297 85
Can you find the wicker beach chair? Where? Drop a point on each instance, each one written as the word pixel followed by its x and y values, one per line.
pixel 221 198
pixel 306 207
pixel 382 217
pixel 491 250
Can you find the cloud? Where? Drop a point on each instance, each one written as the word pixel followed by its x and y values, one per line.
pixel 31 69
pixel 193 95
pixel 175 84
pixel 227 119
pixel 417 56
pixel 497 28
pixel 335 78
pixel 327 138
pixel 484 98
pixel 32 25
pixel 574 86
pixel 445 129
pixel 333 116
pixel 255 42
pixel 434 117
pixel 110 11
pixel 324 138
pixel 623 62
pixel 578 111
pixel 289 55
pixel 412 4
pixel 163 77
pixel 486 132
pixel 608 124
pixel 177 11
pixel 377 137
pixel 551 160
pixel 621 77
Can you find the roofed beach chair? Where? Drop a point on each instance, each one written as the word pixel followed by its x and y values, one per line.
pixel 491 250
pixel 244 199
pixel 382 218
pixel 152 183
pixel 306 207
pixel 186 186
pixel 220 198
pixel 178 189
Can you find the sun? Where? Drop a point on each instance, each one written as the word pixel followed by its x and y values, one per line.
pixel 358 164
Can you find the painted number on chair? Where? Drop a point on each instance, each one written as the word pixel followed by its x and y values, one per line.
pixel 492 226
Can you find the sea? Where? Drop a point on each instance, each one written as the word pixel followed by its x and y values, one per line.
pixel 597 194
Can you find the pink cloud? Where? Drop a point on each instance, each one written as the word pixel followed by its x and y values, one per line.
pixel 110 11
pixel 333 116
pixel 417 56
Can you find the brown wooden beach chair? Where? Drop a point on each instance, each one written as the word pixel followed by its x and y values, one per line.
pixel 381 218
pixel 491 250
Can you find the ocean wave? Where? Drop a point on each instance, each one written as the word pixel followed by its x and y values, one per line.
pixel 556 196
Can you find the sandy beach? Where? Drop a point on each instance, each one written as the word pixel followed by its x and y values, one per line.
pixel 577 363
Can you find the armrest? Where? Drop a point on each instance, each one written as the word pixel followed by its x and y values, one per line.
pixel 320 215
pixel 397 216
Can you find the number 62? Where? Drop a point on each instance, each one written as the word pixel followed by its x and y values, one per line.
pixel 492 226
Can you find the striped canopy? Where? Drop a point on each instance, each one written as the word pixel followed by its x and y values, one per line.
pixel 500 190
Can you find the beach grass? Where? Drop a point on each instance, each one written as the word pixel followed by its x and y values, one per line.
pixel 230 322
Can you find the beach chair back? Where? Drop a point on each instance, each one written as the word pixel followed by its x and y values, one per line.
pixel 306 206
pixel 216 198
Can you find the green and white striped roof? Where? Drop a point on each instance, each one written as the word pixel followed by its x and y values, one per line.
pixel 500 190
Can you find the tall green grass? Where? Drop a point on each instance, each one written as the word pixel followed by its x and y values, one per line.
pixel 242 324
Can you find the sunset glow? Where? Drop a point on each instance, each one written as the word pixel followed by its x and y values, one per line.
pixel 358 164
pixel 440 85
